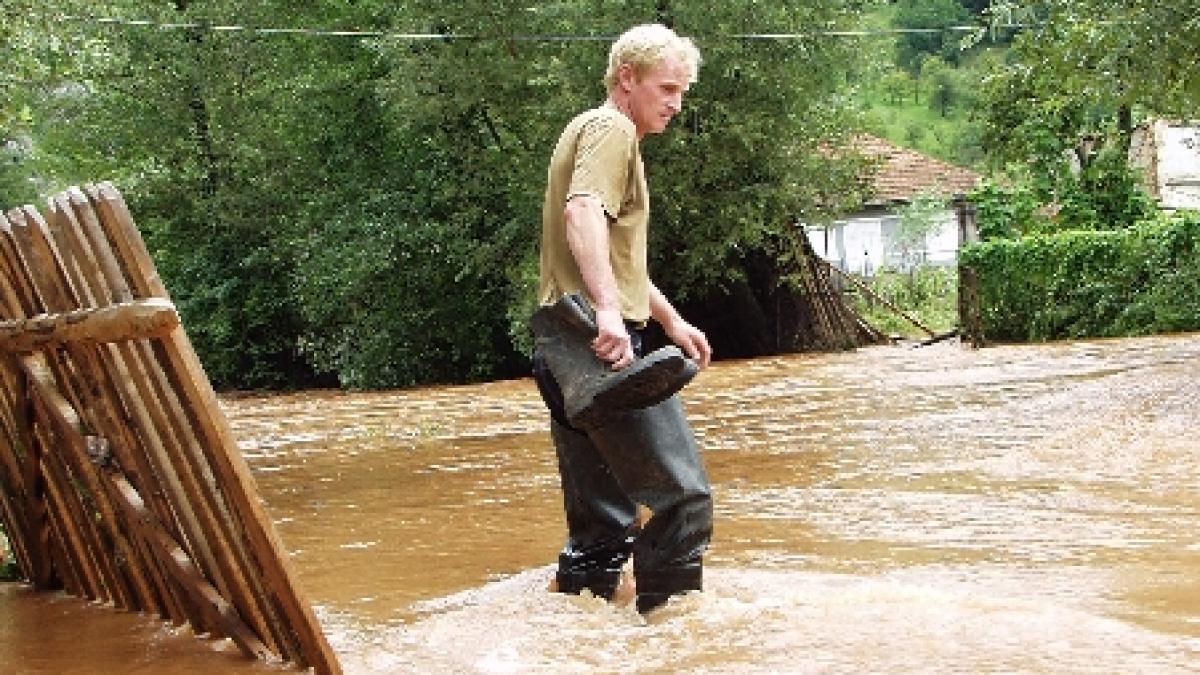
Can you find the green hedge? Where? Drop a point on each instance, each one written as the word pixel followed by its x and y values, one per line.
pixel 1136 281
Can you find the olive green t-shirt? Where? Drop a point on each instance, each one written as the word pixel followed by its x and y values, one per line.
pixel 598 155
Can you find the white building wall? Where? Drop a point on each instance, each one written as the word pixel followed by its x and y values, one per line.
pixel 1178 165
pixel 941 246
pixel 864 245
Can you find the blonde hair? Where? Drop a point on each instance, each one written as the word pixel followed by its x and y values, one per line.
pixel 645 46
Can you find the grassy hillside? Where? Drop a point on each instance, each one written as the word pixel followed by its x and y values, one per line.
pixel 932 109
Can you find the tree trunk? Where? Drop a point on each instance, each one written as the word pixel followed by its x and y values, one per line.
pixel 200 115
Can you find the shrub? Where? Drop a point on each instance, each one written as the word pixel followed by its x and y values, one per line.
pixel 1134 281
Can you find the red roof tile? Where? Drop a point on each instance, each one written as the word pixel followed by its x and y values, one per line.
pixel 902 174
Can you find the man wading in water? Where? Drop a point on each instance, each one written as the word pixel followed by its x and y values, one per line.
pixel 618 428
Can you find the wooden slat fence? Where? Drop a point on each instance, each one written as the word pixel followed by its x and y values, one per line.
pixel 120 480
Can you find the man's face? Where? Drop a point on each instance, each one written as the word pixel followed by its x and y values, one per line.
pixel 657 96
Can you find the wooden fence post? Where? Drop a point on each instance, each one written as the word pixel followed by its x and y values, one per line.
pixel 970 317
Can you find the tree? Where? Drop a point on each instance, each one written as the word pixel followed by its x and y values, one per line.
pixel 1137 52
pixel 918 219
pixel 228 145
pixel 976 7
pixel 1066 99
pixel 478 117
pixel 943 83
pixel 932 18
pixel 365 211
pixel 896 85
pixel 37 61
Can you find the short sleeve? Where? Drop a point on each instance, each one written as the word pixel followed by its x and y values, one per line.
pixel 602 162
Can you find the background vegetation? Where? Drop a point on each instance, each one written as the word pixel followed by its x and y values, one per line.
pixel 362 210
pixel 928 294
pixel 1132 281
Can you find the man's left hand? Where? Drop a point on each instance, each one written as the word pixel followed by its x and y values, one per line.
pixel 691 340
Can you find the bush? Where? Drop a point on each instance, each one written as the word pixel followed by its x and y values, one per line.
pixel 928 294
pixel 1005 212
pixel 1135 281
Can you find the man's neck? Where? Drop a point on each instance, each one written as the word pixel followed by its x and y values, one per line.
pixel 621 102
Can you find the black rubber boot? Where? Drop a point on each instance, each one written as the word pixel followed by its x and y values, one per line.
pixel 655 459
pixel 601 519
pixel 655 588
pixel 592 391
pixel 597 570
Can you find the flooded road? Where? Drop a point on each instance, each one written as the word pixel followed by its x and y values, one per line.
pixel 1016 509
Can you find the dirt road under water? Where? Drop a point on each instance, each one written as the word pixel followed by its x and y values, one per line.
pixel 1016 509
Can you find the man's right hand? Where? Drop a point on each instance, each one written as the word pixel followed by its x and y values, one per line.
pixel 612 343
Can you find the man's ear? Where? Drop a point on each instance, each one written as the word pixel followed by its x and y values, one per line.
pixel 626 76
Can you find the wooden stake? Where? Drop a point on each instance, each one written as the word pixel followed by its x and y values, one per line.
pixel 228 465
pixel 170 441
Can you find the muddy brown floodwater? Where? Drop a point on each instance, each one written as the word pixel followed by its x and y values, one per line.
pixel 1014 509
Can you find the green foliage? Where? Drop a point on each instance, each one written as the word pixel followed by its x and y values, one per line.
pixel 896 86
pixel 1106 194
pixel 928 294
pixel 947 86
pixel 918 219
pixel 746 157
pixel 1111 51
pixel 976 7
pixel 932 107
pixel 1075 284
pixel 1065 102
pixel 912 48
pixel 476 148
pixel 36 61
pixel 366 211
pixel 1006 211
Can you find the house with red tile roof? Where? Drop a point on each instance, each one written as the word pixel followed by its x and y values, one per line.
pixel 865 240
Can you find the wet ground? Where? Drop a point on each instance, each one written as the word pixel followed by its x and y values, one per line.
pixel 1013 509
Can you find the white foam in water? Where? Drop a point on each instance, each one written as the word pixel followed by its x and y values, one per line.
pixel 751 621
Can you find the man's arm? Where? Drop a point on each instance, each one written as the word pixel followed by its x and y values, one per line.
pixel 587 237
pixel 690 339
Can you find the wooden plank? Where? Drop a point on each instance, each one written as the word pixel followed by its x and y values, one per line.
pixel 879 298
pixel 228 465
pixel 12 497
pixel 40 262
pixel 184 484
pixel 80 230
pixel 157 595
pixel 18 296
pixel 258 604
pixel 12 518
pixel 23 247
pixel 66 424
pixel 12 439
pixel 130 589
pixel 75 531
pixel 78 493
pixel 176 560
pixel 136 320
pixel 34 533
pixel 66 575
pixel 37 525
pixel 99 394
pixel 65 519
pixel 62 417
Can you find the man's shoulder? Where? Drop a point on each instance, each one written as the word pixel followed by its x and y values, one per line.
pixel 602 117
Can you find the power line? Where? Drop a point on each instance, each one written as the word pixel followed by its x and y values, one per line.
pixel 326 32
